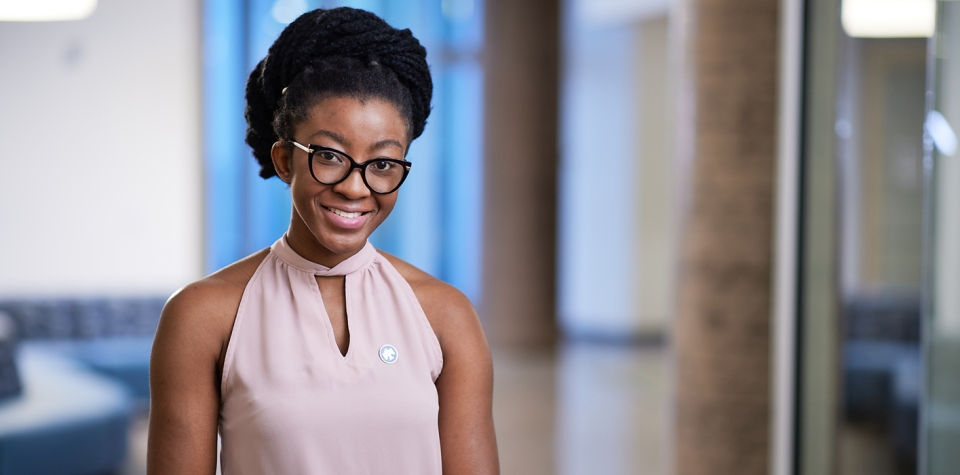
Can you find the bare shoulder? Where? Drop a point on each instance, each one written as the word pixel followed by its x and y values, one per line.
pixel 447 309
pixel 203 312
pixel 216 294
pixel 186 365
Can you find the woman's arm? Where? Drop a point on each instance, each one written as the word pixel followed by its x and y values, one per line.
pixel 184 381
pixel 467 440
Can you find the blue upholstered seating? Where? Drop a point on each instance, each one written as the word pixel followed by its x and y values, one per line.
pixel 881 367
pixel 83 368
pixel 126 359
pixel 68 420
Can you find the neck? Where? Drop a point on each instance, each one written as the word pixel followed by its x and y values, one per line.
pixel 306 244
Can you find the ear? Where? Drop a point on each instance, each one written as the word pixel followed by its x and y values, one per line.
pixel 282 155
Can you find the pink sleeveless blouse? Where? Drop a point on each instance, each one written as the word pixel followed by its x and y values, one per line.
pixel 291 403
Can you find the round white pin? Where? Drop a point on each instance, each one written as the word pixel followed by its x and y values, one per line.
pixel 388 354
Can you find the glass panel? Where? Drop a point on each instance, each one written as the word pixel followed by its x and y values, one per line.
pixel 818 346
pixel 860 263
pixel 880 110
pixel 941 415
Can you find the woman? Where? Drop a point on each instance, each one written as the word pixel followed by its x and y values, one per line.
pixel 320 354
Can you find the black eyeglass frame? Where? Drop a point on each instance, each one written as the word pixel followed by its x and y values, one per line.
pixel 313 149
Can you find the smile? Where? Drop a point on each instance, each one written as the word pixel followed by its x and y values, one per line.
pixel 345 214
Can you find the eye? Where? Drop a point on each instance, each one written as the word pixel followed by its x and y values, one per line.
pixel 327 157
pixel 383 165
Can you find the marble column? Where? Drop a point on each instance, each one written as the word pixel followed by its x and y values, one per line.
pixel 521 61
pixel 727 156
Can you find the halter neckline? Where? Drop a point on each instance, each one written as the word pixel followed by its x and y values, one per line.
pixel 356 262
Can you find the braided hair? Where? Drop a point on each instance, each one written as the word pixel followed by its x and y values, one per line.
pixel 343 52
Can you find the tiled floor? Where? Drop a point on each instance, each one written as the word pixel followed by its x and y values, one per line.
pixel 137 451
pixel 867 449
pixel 584 409
pixel 577 409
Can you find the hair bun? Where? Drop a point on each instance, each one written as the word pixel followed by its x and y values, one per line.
pixel 319 35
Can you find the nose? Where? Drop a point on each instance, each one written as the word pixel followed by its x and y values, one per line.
pixel 353 187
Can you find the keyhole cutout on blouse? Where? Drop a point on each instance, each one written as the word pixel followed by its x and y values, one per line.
pixel 332 290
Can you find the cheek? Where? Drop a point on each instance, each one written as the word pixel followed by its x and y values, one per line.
pixel 303 195
pixel 386 204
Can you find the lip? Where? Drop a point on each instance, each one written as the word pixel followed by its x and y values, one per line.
pixel 346 223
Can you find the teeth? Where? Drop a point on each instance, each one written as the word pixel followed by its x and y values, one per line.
pixel 345 214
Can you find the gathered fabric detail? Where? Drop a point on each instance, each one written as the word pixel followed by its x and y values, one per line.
pixel 363 258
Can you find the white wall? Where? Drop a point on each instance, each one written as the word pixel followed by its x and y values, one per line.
pixel 656 183
pixel 616 239
pixel 100 167
pixel 598 278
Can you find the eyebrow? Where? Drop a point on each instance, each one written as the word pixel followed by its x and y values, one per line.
pixel 335 136
pixel 387 143
pixel 343 140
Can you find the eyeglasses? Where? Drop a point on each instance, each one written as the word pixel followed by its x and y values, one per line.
pixel 330 166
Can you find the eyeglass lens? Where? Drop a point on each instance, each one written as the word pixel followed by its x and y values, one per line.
pixel 381 175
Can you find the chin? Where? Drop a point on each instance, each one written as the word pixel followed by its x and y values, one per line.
pixel 342 244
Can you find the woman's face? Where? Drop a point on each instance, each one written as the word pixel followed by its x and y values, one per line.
pixel 325 226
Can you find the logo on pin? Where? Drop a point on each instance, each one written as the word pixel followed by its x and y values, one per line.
pixel 388 354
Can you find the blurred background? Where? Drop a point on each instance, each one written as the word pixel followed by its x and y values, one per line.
pixel 703 236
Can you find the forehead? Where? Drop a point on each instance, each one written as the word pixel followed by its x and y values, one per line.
pixel 357 122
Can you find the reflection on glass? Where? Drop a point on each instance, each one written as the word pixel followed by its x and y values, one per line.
pixel 880 113
pixel 941 418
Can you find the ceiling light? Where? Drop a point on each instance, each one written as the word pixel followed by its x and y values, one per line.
pixel 46 10
pixel 889 18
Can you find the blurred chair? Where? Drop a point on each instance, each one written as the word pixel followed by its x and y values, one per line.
pixel 80 372
pixel 67 420
pixel 109 336
pixel 881 352
pixel 9 376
